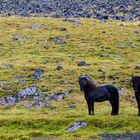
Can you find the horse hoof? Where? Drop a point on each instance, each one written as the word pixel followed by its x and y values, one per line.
pixel 114 114
pixel 91 114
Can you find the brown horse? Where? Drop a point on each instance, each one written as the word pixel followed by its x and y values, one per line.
pixel 95 93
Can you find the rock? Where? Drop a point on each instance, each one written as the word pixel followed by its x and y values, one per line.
pixel 9 100
pixel 39 95
pixel 40 105
pixel 22 81
pixel 130 136
pixel 121 25
pixel 29 106
pixel 72 21
pixel 137 68
pixel 101 70
pixel 121 46
pixel 46 62
pixel 37 74
pixel 59 68
pixel 3 84
pixel 72 107
pixel 102 77
pixel 63 29
pixel 104 55
pixel 27 92
pixel 121 90
pixel 57 96
pixel 17 37
pixel 35 26
pixel 138 40
pixel 136 32
pixel 82 63
pixel 76 125
pixel 58 40
pixel 8 66
pixel 117 56
pixel 133 47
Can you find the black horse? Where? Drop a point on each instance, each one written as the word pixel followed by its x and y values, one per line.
pixel 136 86
pixel 98 94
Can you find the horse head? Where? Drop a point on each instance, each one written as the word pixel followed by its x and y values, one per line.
pixel 84 81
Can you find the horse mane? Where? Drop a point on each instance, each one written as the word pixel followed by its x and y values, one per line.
pixel 89 81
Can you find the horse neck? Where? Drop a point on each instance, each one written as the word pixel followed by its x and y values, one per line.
pixel 90 87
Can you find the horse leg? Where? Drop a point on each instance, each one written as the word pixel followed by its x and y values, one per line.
pixel 115 106
pixel 90 107
pixel 138 102
pixel 138 108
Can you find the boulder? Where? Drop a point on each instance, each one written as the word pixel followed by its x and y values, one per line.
pixel 27 92
pixel 76 125
pixel 82 63
pixel 37 74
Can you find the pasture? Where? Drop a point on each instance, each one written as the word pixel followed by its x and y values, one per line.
pixel 111 48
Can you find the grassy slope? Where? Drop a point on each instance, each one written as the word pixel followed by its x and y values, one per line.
pixel 83 42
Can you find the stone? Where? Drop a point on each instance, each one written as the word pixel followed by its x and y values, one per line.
pixel 17 37
pixel 102 70
pixel 63 29
pixel 137 68
pixel 35 26
pixel 9 100
pixel 121 46
pixel 138 40
pixel 129 136
pixel 46 62
pixel 121 90
pixel 57 96
pixel 59 68
pixel 72 107
pixel 76 125
pixel 39 95
pixel 37 74
pixel 104 55
pixel 136 32
pixel 40 105
pixel 82 63
pixel 3 84
pixel 27 92
pixel 72 21
pixel 58 40
pixel 117 56
pixel 8 66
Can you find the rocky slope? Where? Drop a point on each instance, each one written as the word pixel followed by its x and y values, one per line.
pixel 125 10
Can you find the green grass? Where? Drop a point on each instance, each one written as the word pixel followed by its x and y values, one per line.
pixel 83 43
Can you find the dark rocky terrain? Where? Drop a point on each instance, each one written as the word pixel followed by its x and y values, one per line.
pixel 125 10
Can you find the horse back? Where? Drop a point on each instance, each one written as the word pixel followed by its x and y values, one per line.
pixel 103 93
pixel 112 90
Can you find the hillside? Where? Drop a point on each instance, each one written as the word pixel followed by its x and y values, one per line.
pixel 45 54
pixel 124 10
